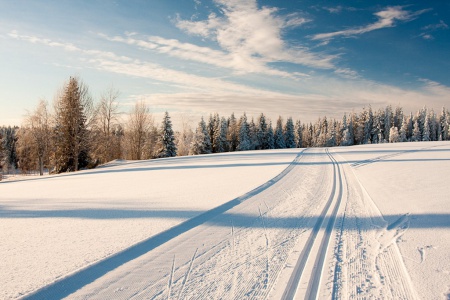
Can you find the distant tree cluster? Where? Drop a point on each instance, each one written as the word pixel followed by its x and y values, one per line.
pixel 78 134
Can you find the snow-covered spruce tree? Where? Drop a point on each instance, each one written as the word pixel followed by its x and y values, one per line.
pixel 220 136
pixel 253 131
pixel 298 134
pixel 201 143
pixel 368 127
pixel 270 137
pixel 416 137
pixel 375 127
pixel 398 117
pixel 332 141
pixel 72 137
pixel 166 139
pixel 433 126
pixel 403 131
pixel 233 133
pixel 244 135
pixel 444 124
pixel 262 133
pixel 279 137
pixel 347 134
pixel 388 118
pixel 426 129
pixel 289 134
pixel 409 133
pixel 393 135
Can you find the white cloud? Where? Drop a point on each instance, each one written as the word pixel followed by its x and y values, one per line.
pixel 432 27
pixel 386 18
pixel 251 35
pixel 205 55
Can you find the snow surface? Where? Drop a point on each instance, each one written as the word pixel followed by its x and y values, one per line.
pixel 53 226
pixel 409 184
pixel 375 218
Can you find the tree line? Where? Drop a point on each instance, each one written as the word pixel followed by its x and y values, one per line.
pixel 76 133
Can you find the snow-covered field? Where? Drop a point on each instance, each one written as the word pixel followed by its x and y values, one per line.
pixel 356 222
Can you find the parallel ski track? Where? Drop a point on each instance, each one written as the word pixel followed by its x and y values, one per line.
pixel 315 278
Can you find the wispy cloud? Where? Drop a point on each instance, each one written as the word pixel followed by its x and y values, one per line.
pixel 206 55
pixel 440 25
pixel 429 29
pixel 251 35
pixel 386 18
pixel 66 46
pixel 111 62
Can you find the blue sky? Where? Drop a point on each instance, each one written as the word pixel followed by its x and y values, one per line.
pixel 304 59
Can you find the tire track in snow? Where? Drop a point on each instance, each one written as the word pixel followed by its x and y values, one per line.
pixel 319 257
pixel 71 283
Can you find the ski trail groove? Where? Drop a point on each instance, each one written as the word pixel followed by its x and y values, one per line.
pixel 316 274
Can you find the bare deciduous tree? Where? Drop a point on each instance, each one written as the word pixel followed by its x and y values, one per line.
pixel 38 125
pixel 138 127
pixel 105 124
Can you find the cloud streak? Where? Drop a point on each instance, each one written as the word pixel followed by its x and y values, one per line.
pixel 386 18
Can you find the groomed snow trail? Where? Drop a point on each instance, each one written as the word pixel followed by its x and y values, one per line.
pixel 312 232
pixel 366 262
pixel 305 280
pixel 237 254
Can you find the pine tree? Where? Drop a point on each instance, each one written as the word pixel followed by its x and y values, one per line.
pixel 201 143
pixel 167 138
pixel 347 134
pixel 403 131
pixel 444 125
pixel 298 134
pixel 253 135
pixel 244 135
pixel 279 137
pixel 220 136
pixel 393 135
pixel 368 127
pixel 10 159
pixel 270 137
pixel 388 118
pixel 426 129
pixel 72 136
pixel 416 131
pixel 233 133
pixel 262 133
pixel 332 142
pixel 289 134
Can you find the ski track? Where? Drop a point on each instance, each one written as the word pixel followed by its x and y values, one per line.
pixel 367 263
pixel 247 251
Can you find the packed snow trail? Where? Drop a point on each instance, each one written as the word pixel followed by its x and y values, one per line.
pixel 236 254
pixel 312 281
pixel 366 262
pixel 314 222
